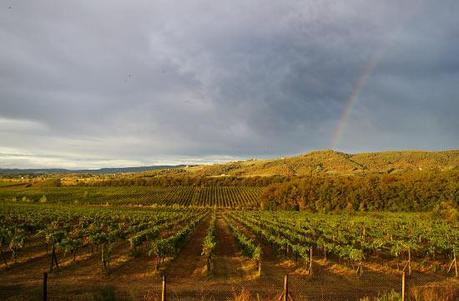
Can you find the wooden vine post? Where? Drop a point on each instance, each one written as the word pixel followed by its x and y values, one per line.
pixel 163 290
pixel 259 267
pixel 45 286
pixel 285 288
pixel 454 263
pixel 310 261
pixel 403 286
pixel 285 296
pixel 53 258
pixel 209 264
pixel 409 261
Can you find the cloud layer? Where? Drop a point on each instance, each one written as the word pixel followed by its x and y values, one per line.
pixel 115 83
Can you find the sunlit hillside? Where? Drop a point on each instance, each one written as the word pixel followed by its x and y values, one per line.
pixel 331 162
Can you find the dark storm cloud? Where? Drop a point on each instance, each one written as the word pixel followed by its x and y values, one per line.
pixel 87 84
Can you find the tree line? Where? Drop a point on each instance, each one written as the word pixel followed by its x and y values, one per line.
pixel 413 191
pixel 172 181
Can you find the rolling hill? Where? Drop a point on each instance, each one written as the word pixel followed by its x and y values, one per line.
pixel 333 162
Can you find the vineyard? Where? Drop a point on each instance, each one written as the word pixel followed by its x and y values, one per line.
pixel 127 250
pixel 207 196
pixel 70 231
pixel 351 240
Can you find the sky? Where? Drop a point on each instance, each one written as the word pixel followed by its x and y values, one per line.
pixel 109 83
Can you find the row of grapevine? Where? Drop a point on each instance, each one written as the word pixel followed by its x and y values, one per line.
pixel 171 246
pixel 248 246
pixel 355 238
pixel 283 243
pixel 209 244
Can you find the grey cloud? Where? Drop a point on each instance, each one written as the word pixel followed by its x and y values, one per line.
pixel 138 82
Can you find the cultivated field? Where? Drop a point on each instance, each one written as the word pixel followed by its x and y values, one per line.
pixel 207 196
pixel 120 253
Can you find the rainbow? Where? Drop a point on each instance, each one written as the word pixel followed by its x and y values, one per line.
pixel 367 70
pixel 356 90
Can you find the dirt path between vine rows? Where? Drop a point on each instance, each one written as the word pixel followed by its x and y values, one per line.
pixel 189 262
pixel 228 263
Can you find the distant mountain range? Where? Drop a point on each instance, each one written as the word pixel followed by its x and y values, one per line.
pixel 16 171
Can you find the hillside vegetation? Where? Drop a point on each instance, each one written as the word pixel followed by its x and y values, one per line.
pixel 336 162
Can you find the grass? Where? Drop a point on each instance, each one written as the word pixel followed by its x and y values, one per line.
pixel 389 296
